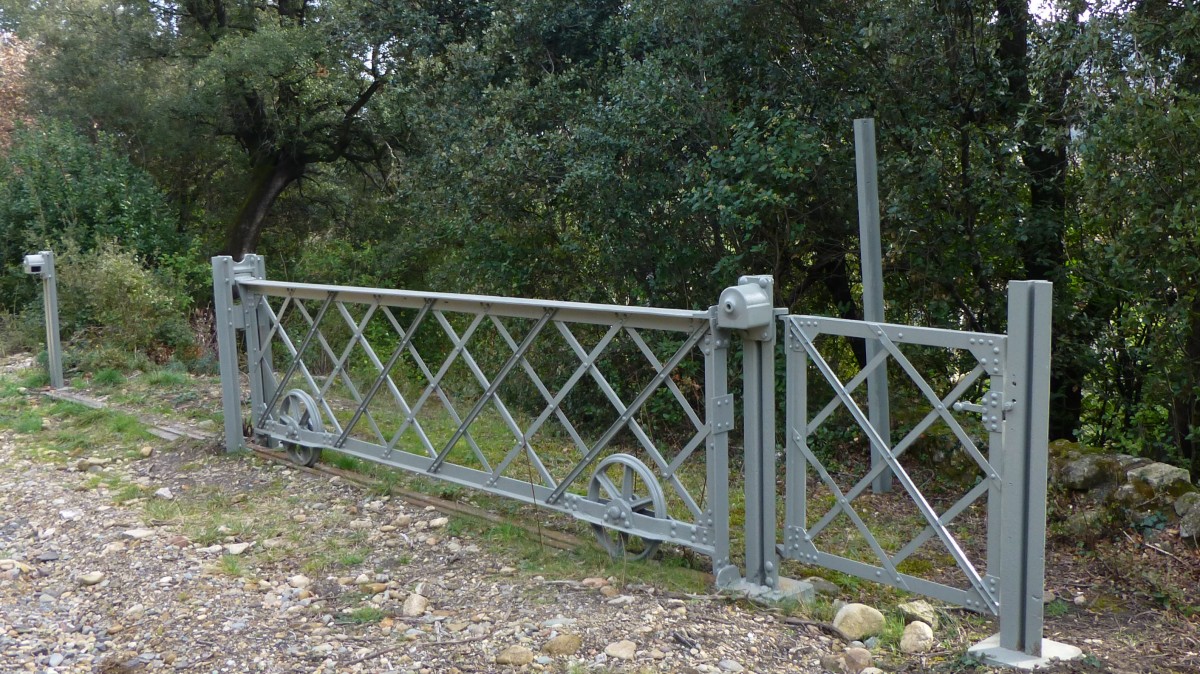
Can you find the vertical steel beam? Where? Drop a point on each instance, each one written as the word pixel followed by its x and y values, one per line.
pixel 50 301
pixel 259 363
pixel 762 564
pixel 1023 555
pixel 719 416
pixel 796 423
pixel 226 329
pixel 872 280
pixel 1023 499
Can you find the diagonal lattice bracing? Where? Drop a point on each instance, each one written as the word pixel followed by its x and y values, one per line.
pixel 490 389
pixel 385 376
pixel 604 387
pixel 897 450
pixel 434 386
pixel 296 354
pixel 625 419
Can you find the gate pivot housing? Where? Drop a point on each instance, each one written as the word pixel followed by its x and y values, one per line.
pixel 747 305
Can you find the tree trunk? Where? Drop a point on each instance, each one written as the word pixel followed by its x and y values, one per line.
pixel 1044 153
pixel 269 178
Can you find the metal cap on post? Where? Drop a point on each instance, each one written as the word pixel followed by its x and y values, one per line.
pixel 41 265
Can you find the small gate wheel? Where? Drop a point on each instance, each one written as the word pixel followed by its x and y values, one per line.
pixel 627 487
pixel 299 412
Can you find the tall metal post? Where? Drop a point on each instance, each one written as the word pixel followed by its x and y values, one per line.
pixel 259 365
pixel 758 380
pixel 872 280
pixel 795 521
pixel 1023 501
pixel 719 414
pixel 225 324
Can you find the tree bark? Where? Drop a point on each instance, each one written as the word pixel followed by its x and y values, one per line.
pixel 269 178
pixel 1044 154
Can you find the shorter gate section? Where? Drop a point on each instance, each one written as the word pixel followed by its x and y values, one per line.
pixel 970 412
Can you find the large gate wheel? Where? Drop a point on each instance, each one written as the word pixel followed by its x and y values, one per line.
pixel 299 412
pixel 627 487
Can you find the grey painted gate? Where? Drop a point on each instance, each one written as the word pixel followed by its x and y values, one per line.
pixel 993 564
pixel 630 430
pixel 644 458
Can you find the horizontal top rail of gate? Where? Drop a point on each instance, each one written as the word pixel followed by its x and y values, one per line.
pixel 681 320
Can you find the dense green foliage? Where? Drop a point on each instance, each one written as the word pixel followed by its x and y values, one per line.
pixel 651 152
pixel 58 186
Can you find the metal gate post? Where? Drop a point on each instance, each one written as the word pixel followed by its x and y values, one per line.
pixel 258 349
pixel 719 413
pixel 795 519
pixel 225 324
pixel 872 280
pixel 1023 502
pixel 749 307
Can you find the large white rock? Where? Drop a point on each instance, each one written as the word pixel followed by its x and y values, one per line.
pixel 415 606
pixel 622 650
pixel 919 610
pixel 859 621
pixel 917 638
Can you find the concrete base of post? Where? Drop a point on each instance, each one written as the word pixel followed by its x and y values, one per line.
pixel 990 652
pixel 786 589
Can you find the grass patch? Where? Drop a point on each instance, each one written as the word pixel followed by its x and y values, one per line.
pixel 166 378
pixel 34 379
pixel 127 493
pixel 231 565
pixel 108 378
pixel 1056 609
pixel 363 615
pixel 29 421
pixel 352 557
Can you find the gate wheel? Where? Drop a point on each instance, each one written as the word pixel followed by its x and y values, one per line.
pixel 299 412
pixel 630 488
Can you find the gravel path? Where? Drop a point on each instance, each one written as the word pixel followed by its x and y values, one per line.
pixel 173 558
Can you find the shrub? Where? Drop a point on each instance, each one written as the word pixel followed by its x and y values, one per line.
pixel 112 300
pixel 57 185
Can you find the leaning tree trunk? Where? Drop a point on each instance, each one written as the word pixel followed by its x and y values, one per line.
pixel 269 178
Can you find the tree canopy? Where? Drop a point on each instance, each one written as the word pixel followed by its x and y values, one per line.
pixel 651 152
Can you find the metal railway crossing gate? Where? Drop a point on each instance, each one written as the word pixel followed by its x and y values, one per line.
pixel 622 417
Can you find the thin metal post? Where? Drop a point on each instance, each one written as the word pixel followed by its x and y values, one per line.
pixel 1025 439
pixel 796 425
pixel 50 299
pixel 1023 500
pixel 226 329
pixel 872 280
pixel 719 416
pixel 258 349
pixel 762 564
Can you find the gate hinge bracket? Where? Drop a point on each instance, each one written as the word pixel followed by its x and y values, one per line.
pixel 722 414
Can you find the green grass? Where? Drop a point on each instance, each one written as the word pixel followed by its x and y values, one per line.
pixel 166 378
pixel 35 378
pixel 108 378
pixel 1056 609
pixel 28 422
pixel 126 493
pixel 362 616
pixel 231 565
